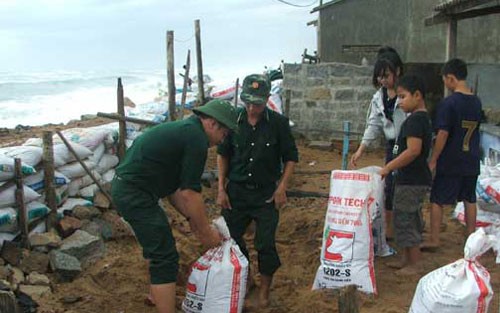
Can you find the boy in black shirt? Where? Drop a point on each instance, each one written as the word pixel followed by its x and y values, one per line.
pixel 413 176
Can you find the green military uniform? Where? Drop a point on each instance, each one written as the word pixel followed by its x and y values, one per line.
pixel 167 157
pixel 256 155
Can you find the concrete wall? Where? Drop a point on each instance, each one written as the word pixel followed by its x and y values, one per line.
pixel 325 95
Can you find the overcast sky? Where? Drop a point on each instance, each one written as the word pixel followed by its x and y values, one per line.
pixel 118 34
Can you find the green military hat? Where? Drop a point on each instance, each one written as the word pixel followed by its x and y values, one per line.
pixel 220 110
pixel 255 89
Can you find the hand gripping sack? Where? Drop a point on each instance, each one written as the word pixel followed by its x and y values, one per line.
pixel 462 286
pixel 217 282
pixel 347 249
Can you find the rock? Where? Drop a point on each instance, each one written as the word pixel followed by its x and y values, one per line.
pixel 101 201
pixel 2 262
pixel 92 228
pixel 49 239
pixel 5 285
pixel 83 246
pixel 321 145
pixel 17 276
pixel 68 225
pixel 37 279
pixel 119 227
pixel 35 291
pixel 86 212
pixel 70 299
pixel 65 266
pixel 35 262
pixel 4 272
pixel 105 229
pixel 11 253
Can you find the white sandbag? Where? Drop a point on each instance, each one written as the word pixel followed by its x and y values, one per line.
pixel 88 192
pixel 70 204
pixel 217 281
pixel 88 137
pixel 98 153
pixel 37 180
pixel 29 155
pixel 274 103
pixel 8 196
pixel 347 249
pixel 8 220
pixel 226 92
pixel 36 209
pixel 78 183
pixel 483 218
pixel 380 245
pixel 75 169
pixel 62 155
pixel 61 195
pixel 7 168
pixel 107 162
pixel 462 286
pixel 108 176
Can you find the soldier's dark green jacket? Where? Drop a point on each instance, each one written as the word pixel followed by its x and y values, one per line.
pixel 167 157
pixel 257 153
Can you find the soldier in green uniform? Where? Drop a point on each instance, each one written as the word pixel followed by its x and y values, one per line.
pixel 255 165
pixel 168 161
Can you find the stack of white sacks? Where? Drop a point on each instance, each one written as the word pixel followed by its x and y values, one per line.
pixel 95 146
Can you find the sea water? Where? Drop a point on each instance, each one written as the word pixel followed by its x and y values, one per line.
pixel 38 98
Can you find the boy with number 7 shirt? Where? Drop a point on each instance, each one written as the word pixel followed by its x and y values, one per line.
pixel 412 175
pixel 455 155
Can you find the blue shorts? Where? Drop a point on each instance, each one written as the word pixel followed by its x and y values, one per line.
pixel 451 189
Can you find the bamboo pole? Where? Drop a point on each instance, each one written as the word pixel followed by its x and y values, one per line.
pixel 171 76
pixel 199 62
pixel 118 117
pixel 236 92
pixel 48 169
pixel 70 148
pixel 21 207
pixel 121 123
pixel 186 82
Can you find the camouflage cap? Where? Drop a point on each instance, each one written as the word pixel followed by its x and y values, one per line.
pixel 255 89
pixel 220 110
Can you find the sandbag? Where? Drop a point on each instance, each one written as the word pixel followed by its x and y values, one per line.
pixel 75 169
pixel 37 181
pixel 7 168
pixel 217 281
pixel 347 249
pixel 8 196
pixel 29 155
pixel 462 286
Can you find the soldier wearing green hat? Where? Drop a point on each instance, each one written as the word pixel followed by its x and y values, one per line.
pixel 168 161
pixel 255 164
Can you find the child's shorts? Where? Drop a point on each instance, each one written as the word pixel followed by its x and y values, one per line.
pixel 448 189
pixel 407 214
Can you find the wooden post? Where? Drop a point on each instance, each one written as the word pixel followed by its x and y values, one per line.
pixel 21 207
pixel 199 63
pixel 186 81
pixel 348 300
pixel 288 98
pixel 171 75
pixel 476 85
pixel 451 45
pixel 121 123
pixel 70 148
pixel 345 147
pixel 236 89
pixel 48 169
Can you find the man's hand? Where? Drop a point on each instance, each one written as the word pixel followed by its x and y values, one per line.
pixel 355 157
pixel 279 197
pixel 432 166
pixel 223 199
pixel 384 171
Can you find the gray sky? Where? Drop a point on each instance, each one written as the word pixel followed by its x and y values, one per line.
pixel 118 34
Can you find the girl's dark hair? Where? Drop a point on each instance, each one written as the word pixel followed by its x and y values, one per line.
pixel 412 83
pixel 391 55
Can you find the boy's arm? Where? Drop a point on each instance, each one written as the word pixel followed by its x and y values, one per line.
pixel 411 153
pixel 439 144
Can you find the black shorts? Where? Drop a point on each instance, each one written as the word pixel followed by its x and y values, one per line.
pixel 449 189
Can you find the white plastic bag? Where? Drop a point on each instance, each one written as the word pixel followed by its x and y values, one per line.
pixel 462 286
pixel 347 249
pixel 217 282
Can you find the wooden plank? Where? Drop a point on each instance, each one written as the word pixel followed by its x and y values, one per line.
pixel 452 8
pixel 199 63
pixel 21 207
pixel 48 169
pixel 348 300
pixel 171 76
pixel 121 122
pixel 443 18
pixel 115 116
pixel 186 82
pixel 70 148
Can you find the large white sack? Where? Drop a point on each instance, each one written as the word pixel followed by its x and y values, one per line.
pixel 75 169
pixel 347 249
pixel 107 162
pixel 98 153
pixel 8 196
pixel 89 137
pixel 62 155
pixel 7 168
pixel 483 218
pixel 462 286
pixel 61 195
pixel 88 192
pixel 8 220
pixel 29 155
pixel 108 176
pixel 217 281
pixel 37 181
pixel 78 183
